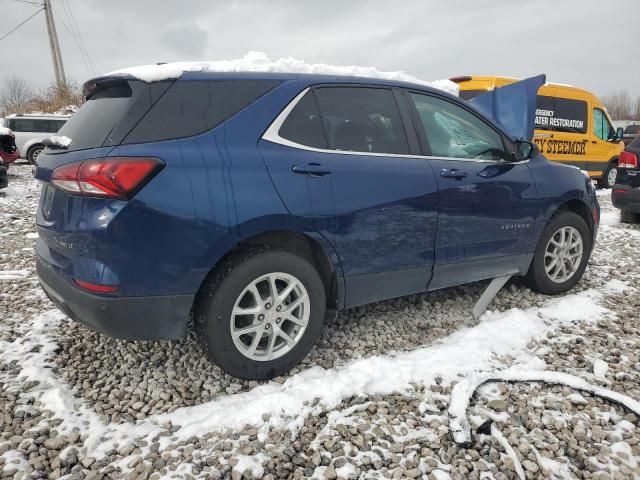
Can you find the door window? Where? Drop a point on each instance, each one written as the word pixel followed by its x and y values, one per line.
pixel 452 131
pixel 362 119
pixel 601 126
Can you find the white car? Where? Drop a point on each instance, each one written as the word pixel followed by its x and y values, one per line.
pixel 31 130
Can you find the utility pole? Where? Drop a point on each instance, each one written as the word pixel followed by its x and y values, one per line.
pixel 56 56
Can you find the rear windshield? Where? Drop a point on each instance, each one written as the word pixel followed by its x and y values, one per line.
pixel 91 125
pixel 635 142
pixel 138 112
pixel 632 129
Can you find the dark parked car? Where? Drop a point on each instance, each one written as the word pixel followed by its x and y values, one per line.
pixel 630 132
pixel 254 203
pixel 4 177
pixel 625 194
pixel 8 151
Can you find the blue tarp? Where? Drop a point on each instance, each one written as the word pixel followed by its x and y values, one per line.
pixel 513 106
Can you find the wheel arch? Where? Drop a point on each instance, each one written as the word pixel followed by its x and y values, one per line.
pixel 313 248
pixel 576 206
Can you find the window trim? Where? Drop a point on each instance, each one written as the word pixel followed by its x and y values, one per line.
pixel 604 115
pixel 272 135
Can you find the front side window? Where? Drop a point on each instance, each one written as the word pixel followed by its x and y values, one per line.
pixel 601 126
pixel 362 119
pixel 451 131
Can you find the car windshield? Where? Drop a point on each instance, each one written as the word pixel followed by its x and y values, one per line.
pixel 632 129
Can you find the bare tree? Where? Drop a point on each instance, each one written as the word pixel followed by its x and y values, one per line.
pixel 16 95
pixel 58 97
pixel 619 105
pixel 636 109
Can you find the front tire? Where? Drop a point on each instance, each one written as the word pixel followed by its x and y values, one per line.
pixel 34 153
pixel 608 178
pixel 561 255
pixel 260 313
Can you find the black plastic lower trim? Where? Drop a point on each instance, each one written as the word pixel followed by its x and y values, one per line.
pixel 128 318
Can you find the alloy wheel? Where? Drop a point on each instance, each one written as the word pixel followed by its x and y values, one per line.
pixel 270 316
pixel 563 254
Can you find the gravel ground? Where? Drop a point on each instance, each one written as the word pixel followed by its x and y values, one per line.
pixel 119 389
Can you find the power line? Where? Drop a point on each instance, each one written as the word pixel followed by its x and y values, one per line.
pixel 29 1
pixel 74 25
pixel 75 38
pixel 21 24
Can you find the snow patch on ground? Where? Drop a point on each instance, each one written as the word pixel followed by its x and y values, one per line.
pixel 610 218
pixel 9 275
pixel 260 62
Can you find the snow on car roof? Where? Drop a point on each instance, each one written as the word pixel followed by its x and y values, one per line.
pixel 260 62
pixel 5 131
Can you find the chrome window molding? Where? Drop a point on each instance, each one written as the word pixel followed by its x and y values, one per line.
pixel 273 135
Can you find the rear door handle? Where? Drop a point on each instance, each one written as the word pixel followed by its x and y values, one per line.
pixel 452 173
pixel 313 169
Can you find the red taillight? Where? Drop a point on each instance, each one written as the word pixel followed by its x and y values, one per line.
pixel 97 287
pixel 628 160
pixel 111 177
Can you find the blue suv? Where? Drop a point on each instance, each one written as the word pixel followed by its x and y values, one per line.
pixel 256 203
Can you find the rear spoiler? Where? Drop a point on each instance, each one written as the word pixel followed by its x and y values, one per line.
pixel 513 106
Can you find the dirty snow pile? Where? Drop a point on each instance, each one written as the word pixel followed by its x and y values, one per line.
pixel 379 396
pixel 260 62
pixel 5 131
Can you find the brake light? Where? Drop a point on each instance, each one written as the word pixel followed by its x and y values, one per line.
pixel 110 177
pixel 628 160
pixel 97 287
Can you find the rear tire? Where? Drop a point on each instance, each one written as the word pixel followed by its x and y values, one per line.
pixel 608 178
pixel 33 153
pixel 545 276
pixel 276 340
pixel 629 217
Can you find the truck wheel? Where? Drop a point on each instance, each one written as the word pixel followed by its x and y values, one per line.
pixel 260 313
pixel 34 153
pixel 561 255
pixel 629 217
pixel 608 178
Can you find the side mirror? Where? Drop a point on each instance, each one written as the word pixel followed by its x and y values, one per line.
pixel 523 150
pixel 618 135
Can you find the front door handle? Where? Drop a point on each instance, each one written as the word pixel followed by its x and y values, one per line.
pixel 313 169
pixel 452 173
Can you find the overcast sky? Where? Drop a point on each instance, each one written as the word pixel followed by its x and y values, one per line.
pixel 589 43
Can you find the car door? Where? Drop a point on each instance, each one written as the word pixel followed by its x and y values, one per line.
pixel 487 204
pixel 602 148
pixel 373 200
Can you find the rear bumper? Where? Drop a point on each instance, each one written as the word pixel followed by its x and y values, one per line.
pixel 127 318
pixel 626 198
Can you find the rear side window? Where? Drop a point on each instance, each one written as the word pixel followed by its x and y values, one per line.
pixel 362 119
pixel 192 107
pixel 453 132
pixel 561 114
pixel 303 124
pixel 27 125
